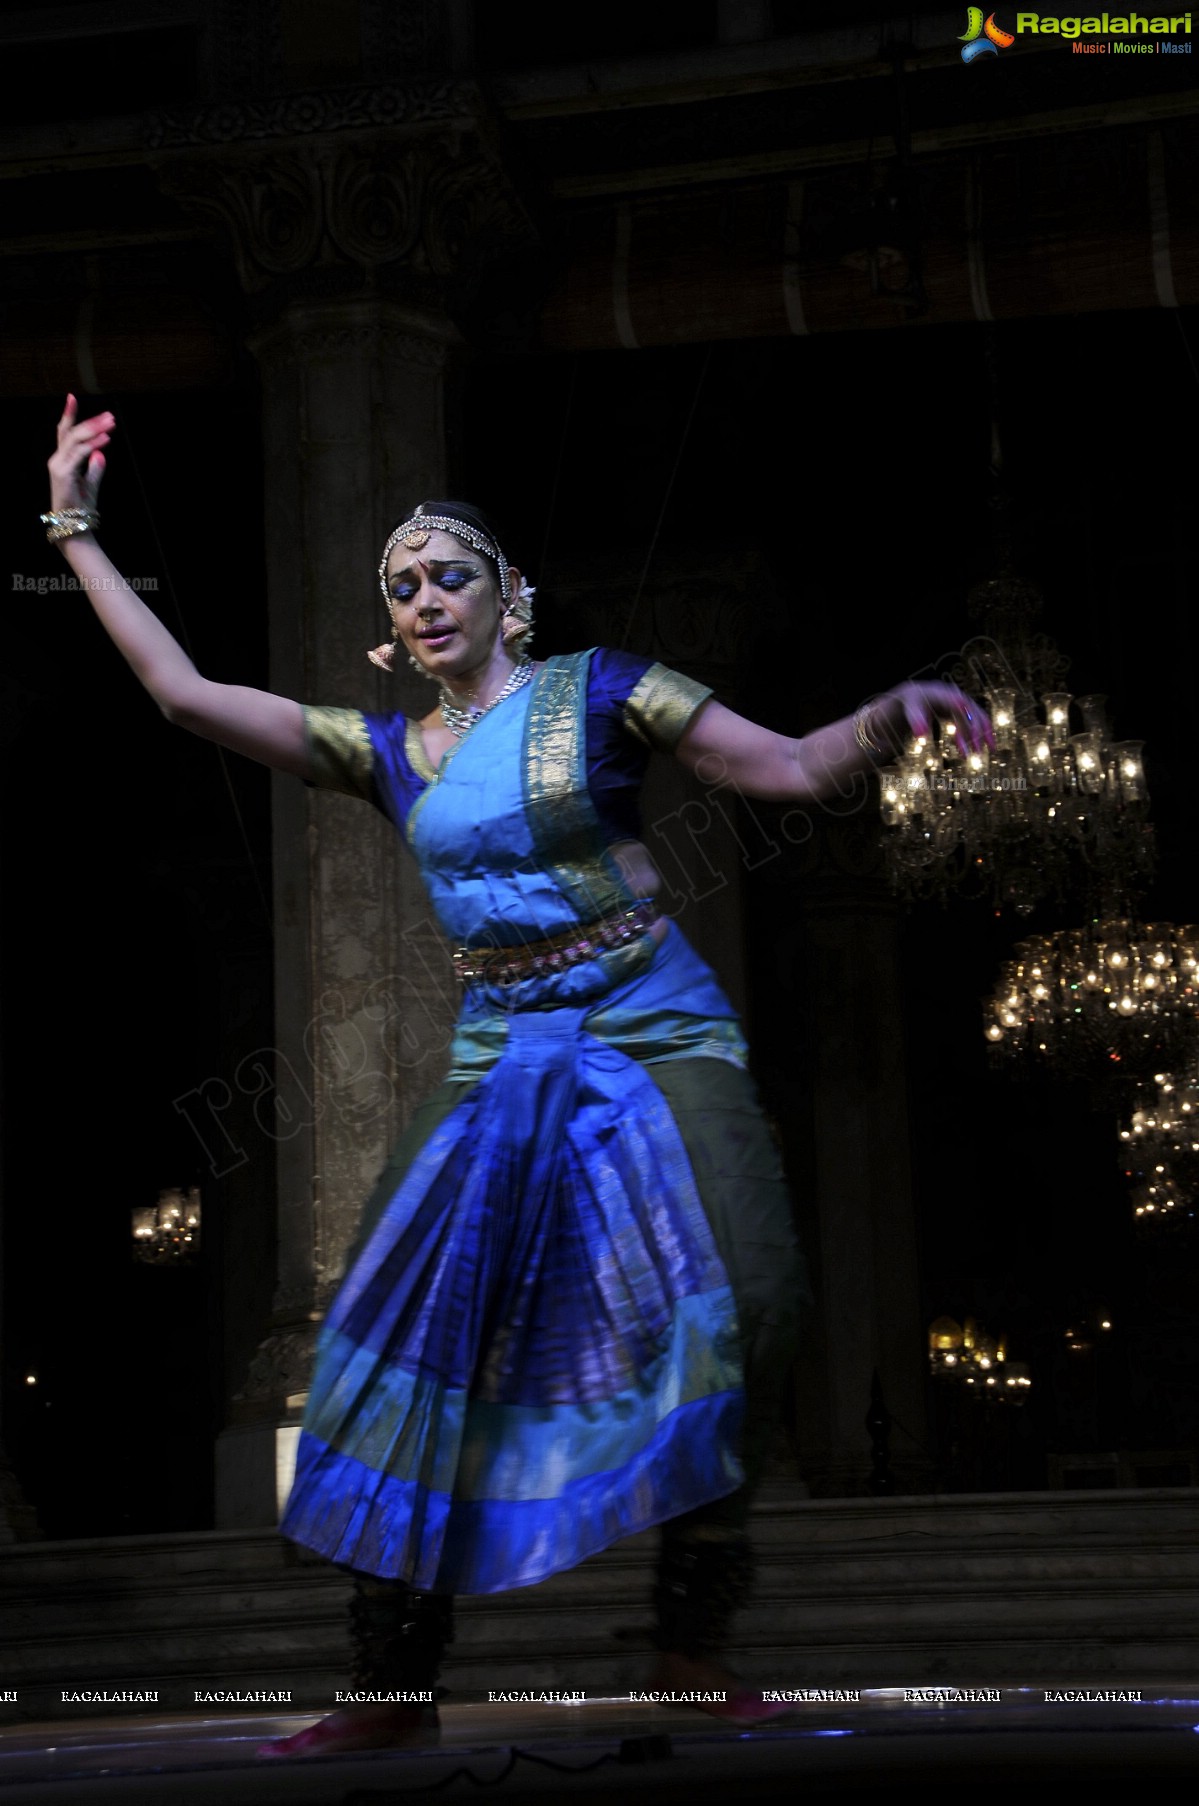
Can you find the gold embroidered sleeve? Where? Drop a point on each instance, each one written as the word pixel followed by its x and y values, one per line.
pixel 661 706
pixel 339 750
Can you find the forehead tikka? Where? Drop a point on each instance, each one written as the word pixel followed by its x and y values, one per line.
pixel 413 534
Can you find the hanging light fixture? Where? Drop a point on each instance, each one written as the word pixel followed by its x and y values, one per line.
pixel 1159 1148
pixel 167 1233
pixel 968 1356
pixel 1118 991
pixel 1058 805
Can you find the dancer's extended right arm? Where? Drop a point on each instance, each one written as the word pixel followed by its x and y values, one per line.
pixel 254 722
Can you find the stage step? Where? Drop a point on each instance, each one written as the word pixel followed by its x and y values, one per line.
pixel 1014 1589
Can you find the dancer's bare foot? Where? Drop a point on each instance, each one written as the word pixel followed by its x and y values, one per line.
pixel 741 1705
pixel 360 1728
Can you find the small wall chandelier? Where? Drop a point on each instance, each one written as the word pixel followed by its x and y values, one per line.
pixel 1159 1148
pixel 168 1233
pixel 1121 991
pixel 965 1354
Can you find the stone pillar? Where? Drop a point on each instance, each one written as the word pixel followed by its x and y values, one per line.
pixel 354 432
pixel 356 249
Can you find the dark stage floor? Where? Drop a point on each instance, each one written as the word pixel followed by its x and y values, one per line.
pixel 613 1746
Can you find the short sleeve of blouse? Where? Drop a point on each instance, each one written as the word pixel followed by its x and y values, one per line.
pixel 341 753
pixel 657 704
pixel 379 758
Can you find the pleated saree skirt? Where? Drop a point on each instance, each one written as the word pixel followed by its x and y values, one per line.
pixel 548 1323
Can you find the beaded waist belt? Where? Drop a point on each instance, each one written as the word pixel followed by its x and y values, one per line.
pixel 508 965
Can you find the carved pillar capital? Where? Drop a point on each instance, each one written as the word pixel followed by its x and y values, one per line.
pixel 382 191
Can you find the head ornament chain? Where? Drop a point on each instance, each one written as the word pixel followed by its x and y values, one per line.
pixel 414 533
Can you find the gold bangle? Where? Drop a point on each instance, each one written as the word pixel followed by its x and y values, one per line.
pixel 876 753
pixel 65 523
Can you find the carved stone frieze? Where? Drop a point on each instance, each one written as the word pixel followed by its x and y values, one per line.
pixel 436 207
pixel 299 115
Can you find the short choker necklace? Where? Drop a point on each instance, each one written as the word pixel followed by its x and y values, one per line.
pixel 460 721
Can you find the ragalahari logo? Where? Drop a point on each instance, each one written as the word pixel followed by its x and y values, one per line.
pixel 982 37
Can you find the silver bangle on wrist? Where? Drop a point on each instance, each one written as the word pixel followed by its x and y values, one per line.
pixel 65 523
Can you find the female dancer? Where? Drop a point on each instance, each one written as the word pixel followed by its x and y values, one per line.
pixel 572 1303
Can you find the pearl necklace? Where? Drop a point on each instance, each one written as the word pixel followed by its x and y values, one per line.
pixel 460 721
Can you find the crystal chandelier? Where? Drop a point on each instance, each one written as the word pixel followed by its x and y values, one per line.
pixel 1058 805
pixel 1121 991
pixel 966 1354
pixel 1159 1148
pixel 168 1233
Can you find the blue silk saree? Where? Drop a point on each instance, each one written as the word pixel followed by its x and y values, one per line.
pixel 536 1350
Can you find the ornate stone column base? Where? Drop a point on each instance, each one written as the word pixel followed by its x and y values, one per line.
pixel 256 1453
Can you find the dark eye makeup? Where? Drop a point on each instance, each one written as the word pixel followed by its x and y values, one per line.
pixel 448 577
pixel 456 576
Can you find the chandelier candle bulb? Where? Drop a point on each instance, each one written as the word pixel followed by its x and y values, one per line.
pixel 1057 716
pixel 1131 771
pixel 1088 762
pixel 1038 756
pixel 1002 706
